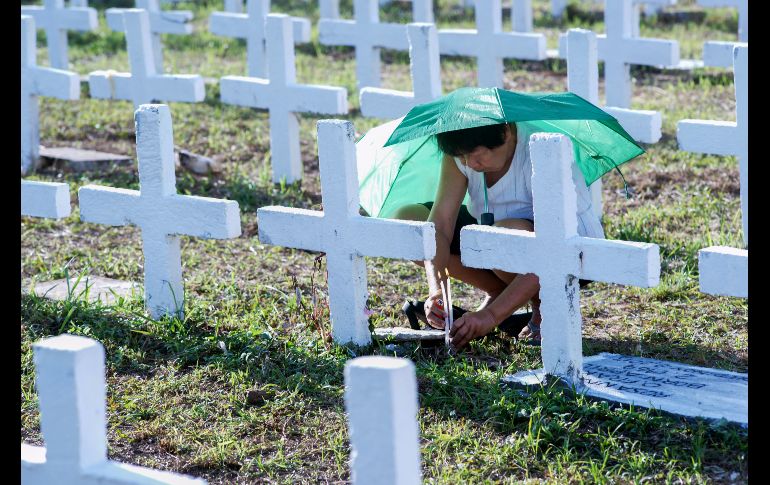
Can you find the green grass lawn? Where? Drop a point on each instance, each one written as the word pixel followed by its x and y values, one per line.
pixel 257 316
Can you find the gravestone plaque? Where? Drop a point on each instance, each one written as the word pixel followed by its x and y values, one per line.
pixel 669 386
pixel 107 290
pixel 80 160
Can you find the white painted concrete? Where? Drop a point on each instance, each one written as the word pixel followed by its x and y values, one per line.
pixel 719 54
pixel 71 387
pixel 45 199
pixel 521 16
pixel 558 256
pixel 251 26
pixel 422 10
pixel 490 45
pixel 724 271
pixel 161 22
pixel 425 68
pixel 381 406
pixel 145 84
pixel 38 81
pixel 726 137
pixel 56 20
pixel 234 6
pixel 283 98
pixel 161 213
pixel 345 236
pixel 743 14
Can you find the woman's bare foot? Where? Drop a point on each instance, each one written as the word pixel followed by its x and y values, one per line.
pixel 531 333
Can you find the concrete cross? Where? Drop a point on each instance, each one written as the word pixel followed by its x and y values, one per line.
pixel 145 84
pixel 743 14
pixel 521 15
pixel 161 22
pixel 71 388
pixel 489 44
pixel 426 77
pixel 38 81
pixel 726 137
pixel 381 407
pixel 56 21
pixel 724 271
pixel 45 199
pixel 422 10
pixel 719 54
pixel 558 255
pixel 345 236
pixel 583 80
pixel 283 98
pixel 367 34
pixel 251 26
pixel 161 213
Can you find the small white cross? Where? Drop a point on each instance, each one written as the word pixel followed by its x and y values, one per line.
pixel 45 199
pixel 145 84
pixel 345 236
pixel 56 21
pixel 422 10
pixel 426 77
pixel 367 34
pixel 251 26
pixel 583 80
pixel 381 407
pixel 558 255
pixel 71 388
pixel 726 137
pixel 489 44
pixel 38 81
pixel 521 15
pixel 719 54
pixel 159 211
pixel 283 97
pixel 161 22
pixel 724 271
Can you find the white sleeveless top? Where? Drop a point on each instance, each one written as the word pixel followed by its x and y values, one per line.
pixel 511 196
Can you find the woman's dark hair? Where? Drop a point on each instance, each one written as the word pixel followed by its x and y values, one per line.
pixel 459 142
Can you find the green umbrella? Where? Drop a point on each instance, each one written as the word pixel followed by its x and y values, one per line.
pixel 399 162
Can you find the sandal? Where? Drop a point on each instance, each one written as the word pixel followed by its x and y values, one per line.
pixel 532 337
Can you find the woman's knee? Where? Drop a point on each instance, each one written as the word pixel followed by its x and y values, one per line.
pixel 411 212
pixel 523 224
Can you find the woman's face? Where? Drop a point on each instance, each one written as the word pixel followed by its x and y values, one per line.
pixel 483 159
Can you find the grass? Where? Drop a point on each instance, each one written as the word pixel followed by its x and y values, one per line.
pixel 256 316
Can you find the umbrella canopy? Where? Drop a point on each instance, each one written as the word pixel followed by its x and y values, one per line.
pixel 399 162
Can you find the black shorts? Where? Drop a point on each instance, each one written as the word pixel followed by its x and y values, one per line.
pixel 465 218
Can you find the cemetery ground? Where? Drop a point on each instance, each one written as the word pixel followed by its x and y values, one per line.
pixel 248 386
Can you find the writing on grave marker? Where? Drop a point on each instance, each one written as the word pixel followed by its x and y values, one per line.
pixel 669 386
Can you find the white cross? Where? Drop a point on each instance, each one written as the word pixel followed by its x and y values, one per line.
pixel 719 54
pixel 381 407
pixel 161 22
pixel 251 26
pixel 726 137
pixel 367 34
pixel 521 15
pixel 489 44
pixel 159 211
pixel 45 199
pixel 426 77
pixel 558 255
pixel 56 21
pixel 38 81
pixel 743 14
pixel 422 10
pixel 345 236
pixel 71 388
pixel 724 271
pixel 145 84
pixel 583 80
pixel 234 6
pixel 283 97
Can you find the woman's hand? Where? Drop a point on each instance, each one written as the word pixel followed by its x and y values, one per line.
pixel 434 310
pixel 471 325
